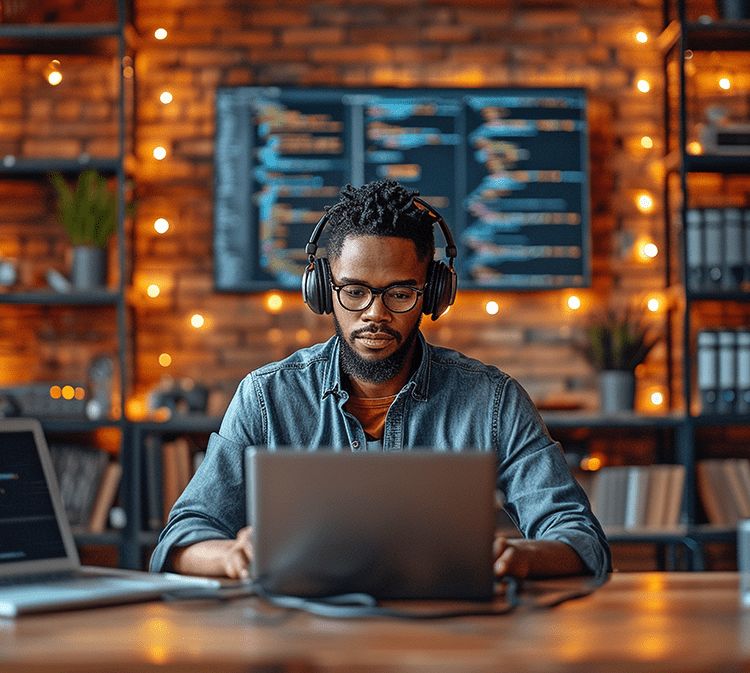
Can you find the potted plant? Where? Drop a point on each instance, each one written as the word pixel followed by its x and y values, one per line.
pixel 88 212
pixel 615 346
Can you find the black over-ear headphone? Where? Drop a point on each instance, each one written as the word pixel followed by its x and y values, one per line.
pixel 439 291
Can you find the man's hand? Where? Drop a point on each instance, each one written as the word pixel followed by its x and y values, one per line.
pixel 538 558
pixel 217 558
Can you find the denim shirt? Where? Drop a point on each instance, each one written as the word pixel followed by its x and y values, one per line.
pixel 451 403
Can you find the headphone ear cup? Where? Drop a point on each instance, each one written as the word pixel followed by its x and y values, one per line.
pixel 441 289
pixel 316 286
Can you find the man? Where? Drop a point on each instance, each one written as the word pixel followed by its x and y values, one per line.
pixel 378 385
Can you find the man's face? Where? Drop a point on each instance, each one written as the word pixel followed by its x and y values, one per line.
pixel 376 340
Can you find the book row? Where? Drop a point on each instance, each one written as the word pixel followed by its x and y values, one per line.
pixel 724 489
pixel 638 497
pixel 89 482
pixel 723 371
pixel 717 247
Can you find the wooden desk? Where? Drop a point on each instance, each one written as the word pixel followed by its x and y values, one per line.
pixel 665 622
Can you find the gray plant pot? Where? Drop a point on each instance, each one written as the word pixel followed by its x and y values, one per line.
pixel 89 269
pixel 616 391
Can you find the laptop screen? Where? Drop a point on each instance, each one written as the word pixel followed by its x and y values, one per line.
pixel 29 530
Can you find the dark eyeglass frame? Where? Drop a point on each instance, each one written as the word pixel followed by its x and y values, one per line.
pixel 374 292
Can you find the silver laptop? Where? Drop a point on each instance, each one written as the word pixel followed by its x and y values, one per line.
pixel 39 565
pixel 415 524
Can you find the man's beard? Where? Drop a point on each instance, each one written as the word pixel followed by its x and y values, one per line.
pixel 374 371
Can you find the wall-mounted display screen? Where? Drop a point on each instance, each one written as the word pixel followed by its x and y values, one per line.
pixel 507 169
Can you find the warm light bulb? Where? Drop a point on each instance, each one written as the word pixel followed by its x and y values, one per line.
pixel 725 83
pixel 153 291
pixel 641 37
pixel 55 77
pixel 165 97
pixel 653 304
pixel 694 148
pixel 657 398
pixel 165 359
pixel 68 392
pixel 161 226
pixel 492 307
pixel 643 86
pixel 197 320
pixel 274 302
pixel 159 153
pixel 650 250
pixel 55 392
pixel 591 464
pixel 645 203
pixel 647 142
pixel 160 33
pixel 80 393
pixel 574 302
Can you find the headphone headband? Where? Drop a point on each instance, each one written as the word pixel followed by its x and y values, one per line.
pixel 440 289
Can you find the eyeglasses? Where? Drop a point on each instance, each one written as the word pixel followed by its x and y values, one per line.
pixel 359 297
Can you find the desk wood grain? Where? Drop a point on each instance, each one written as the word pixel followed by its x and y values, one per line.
pixel 651 622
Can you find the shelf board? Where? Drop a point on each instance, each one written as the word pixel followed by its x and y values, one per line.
pixel 58 31
pixel 92 39
pixel 185 423
pixel 577 419
pixel 10 165
pixel 717 163
pixel 721 295
pixel 76 424
pixel 720 420
pixel 47 297
pixel 717 36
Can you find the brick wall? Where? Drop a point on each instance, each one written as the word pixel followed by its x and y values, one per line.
pixel 412 43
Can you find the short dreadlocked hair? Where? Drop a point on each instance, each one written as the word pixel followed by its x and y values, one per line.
pixel 382 208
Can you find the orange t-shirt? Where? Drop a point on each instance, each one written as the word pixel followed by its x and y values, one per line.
pixel 370 412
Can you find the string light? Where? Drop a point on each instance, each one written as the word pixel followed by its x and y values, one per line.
pixel 653 304
pixel 197 320
pixel 159 153
pixel 274 302
pixel 725 83
pixel 165 359
pixel 52 72
pixel 160 33
pixel 641 37
pixel 647 142
pixel 492 307
pixel 643 86
pixel 165 97
pixel 574 302
pixel 645 202
pixel 153 291
pixel 161 226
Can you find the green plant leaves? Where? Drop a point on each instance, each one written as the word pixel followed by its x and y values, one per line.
pixel 88 212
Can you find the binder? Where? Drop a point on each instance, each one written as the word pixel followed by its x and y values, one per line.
pixel 708 371
pixel 734 251
pixel 743 372
pixel 694 248
pixel 714 247
pixel 727 372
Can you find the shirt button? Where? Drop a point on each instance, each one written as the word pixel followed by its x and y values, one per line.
pixel 355 444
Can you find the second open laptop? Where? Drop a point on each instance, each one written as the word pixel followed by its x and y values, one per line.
pixel 39 565
pixel 406 525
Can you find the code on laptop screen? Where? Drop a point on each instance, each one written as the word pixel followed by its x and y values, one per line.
pixel 28 526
